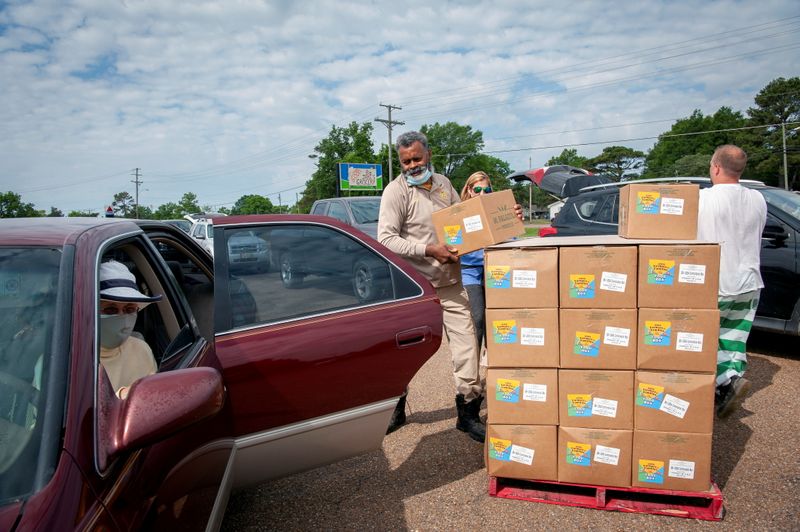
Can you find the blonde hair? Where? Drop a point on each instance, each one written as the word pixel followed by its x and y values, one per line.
pixel 471 180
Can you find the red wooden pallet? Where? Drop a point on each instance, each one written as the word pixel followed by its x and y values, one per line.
pixel 691 504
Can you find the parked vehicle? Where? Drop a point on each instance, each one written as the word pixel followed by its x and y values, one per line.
pixel 595 211
pixel 245 249
pixel 359 211
pixel 254 381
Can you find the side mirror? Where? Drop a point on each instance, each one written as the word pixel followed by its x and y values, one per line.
pixel 773 231
pixel 156 407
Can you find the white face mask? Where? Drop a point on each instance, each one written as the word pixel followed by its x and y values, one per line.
pixel 419 175
pixel 114 330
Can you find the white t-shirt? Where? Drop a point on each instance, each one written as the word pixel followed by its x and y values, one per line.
pixel 127 363
pixel 734 216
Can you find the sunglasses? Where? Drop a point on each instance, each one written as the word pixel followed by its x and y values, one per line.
pixel 478 190
pixel 113 310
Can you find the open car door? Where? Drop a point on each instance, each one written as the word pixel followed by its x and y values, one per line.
pixel 318 329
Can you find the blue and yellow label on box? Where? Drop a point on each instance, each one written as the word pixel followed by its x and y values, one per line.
pixel 498 277
pixel 648 202
pixel 660 271
pixel 649 395
pixel 586 344
pixel 658 333
pixel 579 454
pixel 651 471
pixel 579 405
pixel 581 286
pixel 500 449
pixel 453 235
pixel 507 390
pixel 505 331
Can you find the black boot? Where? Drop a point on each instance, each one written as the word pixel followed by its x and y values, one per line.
pixel 399 415
pixel 469 420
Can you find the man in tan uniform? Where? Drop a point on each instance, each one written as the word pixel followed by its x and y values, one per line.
pixel 405 226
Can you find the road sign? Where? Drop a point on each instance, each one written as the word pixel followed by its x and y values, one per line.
pixel 356 176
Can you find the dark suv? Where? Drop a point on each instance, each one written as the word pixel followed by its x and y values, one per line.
pixel 595 211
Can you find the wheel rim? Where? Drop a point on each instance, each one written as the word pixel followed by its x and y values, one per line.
pixel 363 281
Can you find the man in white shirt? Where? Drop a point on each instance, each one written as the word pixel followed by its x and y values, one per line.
pixel 734 216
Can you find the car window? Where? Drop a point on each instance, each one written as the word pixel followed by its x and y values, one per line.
pixel 788 202
pixel 597 208
pixel 319 208
pixel 295 270
pixel 366 212
pixel 338 211
pixel 28 290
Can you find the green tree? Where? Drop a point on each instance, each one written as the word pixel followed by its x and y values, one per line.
pixel 688 137
pixel 83 214
pixel 617 162
pixel 570 157
pixel 777 103
pixel 253 204
pixel 351 144
pixel 12 206
pixel 123 205
pixel 55 213
pixel 146 213
pixel 168 211
pixel 692 165
pixel 452 145
pixel 188 204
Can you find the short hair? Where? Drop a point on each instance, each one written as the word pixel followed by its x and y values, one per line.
pixel 410 137
pixel 731 158
pixel 471 180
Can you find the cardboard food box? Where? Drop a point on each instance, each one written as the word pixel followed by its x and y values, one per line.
pixel 597 276
pixel 671 460
pixel 478 222
pixel 678 276
pixel 595 398
pixel 678 339
pixel 522 338
pixel 659 211
pixel 595 456
pixel 674 402
pixel 521 278
pixel 598 338
pixel 522 396
pixel 522 451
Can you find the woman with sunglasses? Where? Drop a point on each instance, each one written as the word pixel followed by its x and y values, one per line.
pixel 125 358
pixel 472 263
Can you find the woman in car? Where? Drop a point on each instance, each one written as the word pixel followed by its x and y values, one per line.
pixel 125 358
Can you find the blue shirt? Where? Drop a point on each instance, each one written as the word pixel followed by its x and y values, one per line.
pixel 472 268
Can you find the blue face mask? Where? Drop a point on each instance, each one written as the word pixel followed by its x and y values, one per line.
pixel 416 176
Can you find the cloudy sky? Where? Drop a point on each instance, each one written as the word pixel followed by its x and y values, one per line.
pixel 226 98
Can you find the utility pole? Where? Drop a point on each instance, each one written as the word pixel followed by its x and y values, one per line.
pixel 389 123
pixel 137 183
pixel 280 205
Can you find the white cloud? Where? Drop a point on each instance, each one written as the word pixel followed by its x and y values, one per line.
pixel 226 98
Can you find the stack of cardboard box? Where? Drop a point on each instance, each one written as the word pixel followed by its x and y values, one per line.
pixel 601 354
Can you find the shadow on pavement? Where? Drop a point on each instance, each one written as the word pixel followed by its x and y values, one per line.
pixel 361 493
pixel 731 435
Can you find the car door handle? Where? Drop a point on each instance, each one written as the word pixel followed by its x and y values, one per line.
pixel 413 337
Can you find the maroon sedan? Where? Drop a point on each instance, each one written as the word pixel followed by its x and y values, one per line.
pixel 255 379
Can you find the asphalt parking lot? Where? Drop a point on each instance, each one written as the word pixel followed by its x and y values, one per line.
pixel 428 476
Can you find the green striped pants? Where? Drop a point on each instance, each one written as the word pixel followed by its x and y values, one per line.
pixel 736 315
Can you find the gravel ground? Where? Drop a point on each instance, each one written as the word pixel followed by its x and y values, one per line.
pixel 428 476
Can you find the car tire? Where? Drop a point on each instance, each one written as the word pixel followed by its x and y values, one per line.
pixel 371 280
pixel 290 274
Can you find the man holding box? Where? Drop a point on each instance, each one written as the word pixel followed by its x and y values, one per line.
pixel 734 216
pixel 405 226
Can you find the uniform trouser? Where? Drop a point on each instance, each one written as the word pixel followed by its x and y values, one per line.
pixel 736 314
pixel 460 335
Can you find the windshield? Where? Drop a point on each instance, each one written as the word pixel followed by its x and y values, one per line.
pixel 28 289
pixel 788 202
pixel 366 212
